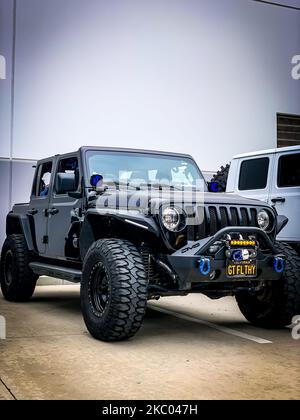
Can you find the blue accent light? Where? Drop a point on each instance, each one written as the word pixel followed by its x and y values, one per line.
pixel 95 179
pixel 279 265
pixel 214 187
pixel 204 266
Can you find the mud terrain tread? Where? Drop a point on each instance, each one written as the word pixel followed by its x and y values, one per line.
pixel 292 284
pixel 286 300
pixel 24 280
pixel 128 289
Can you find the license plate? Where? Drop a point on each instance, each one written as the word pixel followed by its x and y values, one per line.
pixel 241 269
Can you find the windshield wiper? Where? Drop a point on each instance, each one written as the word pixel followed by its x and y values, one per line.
pixel 157 185
pixel 160 186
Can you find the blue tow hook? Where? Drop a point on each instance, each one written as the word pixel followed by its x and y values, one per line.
pixel 204 266
pixel 279 264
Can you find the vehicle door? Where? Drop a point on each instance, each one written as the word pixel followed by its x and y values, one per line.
pixel 255 175
pixel 39 203
pixel 285 194
pixel 63 209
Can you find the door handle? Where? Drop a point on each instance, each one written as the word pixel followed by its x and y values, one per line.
pixel 32 212
pixel 51 212
pixel 278 200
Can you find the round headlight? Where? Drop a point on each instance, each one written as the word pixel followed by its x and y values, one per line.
pixel 171 218
pixel 263 220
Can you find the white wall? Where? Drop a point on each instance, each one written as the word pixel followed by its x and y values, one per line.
pixel 200 76
pixel 6 43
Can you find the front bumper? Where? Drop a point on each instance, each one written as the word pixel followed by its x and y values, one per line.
pixel 185 262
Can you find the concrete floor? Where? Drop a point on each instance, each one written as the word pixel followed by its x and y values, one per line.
pixel 49 354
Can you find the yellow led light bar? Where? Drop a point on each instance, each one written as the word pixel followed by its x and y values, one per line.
pixel 242 243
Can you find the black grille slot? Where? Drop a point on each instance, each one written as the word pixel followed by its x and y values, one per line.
pixel 213 228
pixel 253 221
pixel 244 217
pixel 234 216
pixel 217 218
pixel 224 217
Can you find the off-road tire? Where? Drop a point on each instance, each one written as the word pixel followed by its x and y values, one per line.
pixel 121 271
pixel 221 177
pixel 18 281
pixel 280 301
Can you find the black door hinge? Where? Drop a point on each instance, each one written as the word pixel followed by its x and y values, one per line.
pixel 45 239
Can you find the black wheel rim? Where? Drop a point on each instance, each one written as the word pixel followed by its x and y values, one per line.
pixel 99 289
pixel 264 300
pixel 8 268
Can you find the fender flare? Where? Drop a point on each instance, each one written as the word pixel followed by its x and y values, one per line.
pixel 134 219
pixel 19 224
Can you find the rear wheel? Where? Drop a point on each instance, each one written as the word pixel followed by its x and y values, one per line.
pixel 17 280
pixel 277 302
pixel 113 290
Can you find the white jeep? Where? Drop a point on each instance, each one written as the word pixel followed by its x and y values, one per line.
pixel 272 176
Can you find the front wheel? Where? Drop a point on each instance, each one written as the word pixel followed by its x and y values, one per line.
pixel 277 302
pixel 113 290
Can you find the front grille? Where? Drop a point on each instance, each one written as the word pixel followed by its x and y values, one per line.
pixel 219 217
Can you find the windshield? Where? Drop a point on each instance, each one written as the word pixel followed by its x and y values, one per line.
pixel 143 169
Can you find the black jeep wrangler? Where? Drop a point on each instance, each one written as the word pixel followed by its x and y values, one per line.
pixel 135 225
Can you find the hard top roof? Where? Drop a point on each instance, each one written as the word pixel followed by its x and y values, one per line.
pixel 268 152
pixel 122 150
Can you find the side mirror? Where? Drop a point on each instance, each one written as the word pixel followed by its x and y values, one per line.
pixel 214 187
pixel 65 183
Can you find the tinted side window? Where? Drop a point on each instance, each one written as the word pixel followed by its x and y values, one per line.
pixel 289 171
pixel 43 179
pixel 254 174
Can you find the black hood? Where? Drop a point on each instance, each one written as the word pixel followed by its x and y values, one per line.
pixel 143 199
